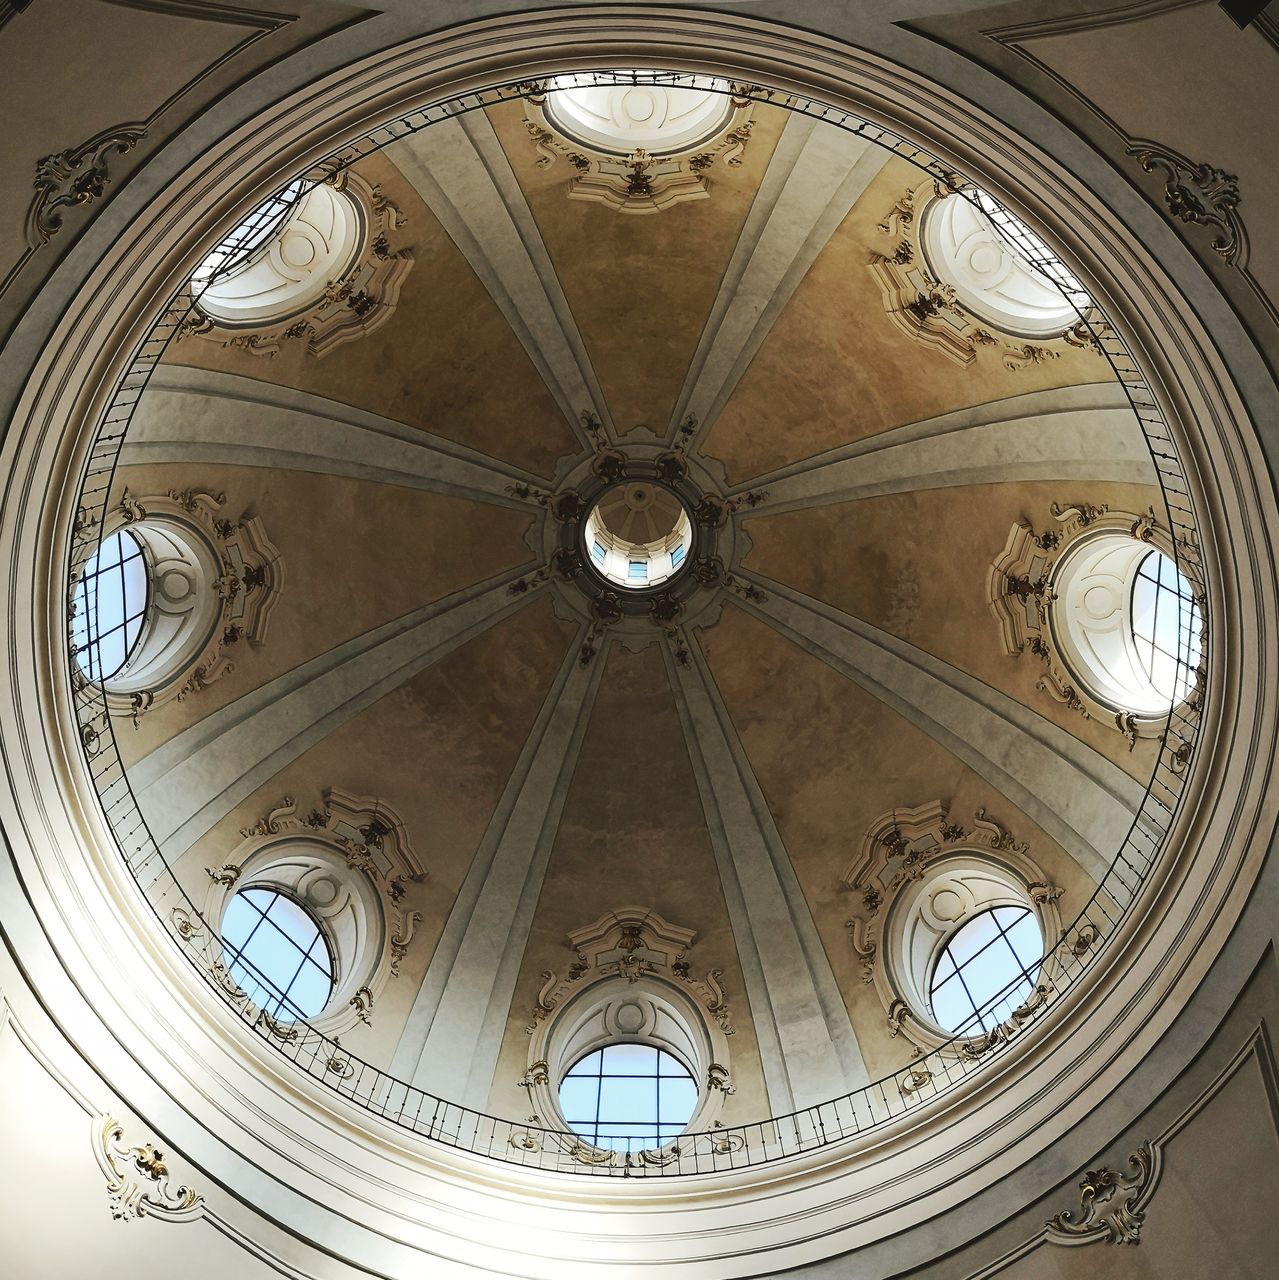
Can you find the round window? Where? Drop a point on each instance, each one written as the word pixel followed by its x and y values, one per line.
pixel 1166 626
pixel 276 951
pixel 986 970
pixel 111 599
pixel 628 1097
pixel 282 258
pixel 1127 624
pixel 1001 271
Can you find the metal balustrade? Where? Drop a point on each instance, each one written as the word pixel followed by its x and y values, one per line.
pixel 723 1148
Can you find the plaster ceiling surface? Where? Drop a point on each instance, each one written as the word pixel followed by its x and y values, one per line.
pixel 425 652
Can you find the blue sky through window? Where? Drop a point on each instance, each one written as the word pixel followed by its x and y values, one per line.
pixel 986 960
pixel 628 1097
pixel 276 952
pixel 110 606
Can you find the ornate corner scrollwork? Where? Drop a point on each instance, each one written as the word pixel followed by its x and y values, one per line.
pixel 632 943
pixel 138 1180
pixel 1199 194
pixel 1112 1205
pixel 717 1077
pixel 77 176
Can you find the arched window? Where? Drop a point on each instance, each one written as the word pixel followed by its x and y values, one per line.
pixel 111 600
pixel 1127 624
pixel 628 1097
pixel 986 969
pixel 282 258
pixel 619 119
pixel 275 949
pixel 1001 271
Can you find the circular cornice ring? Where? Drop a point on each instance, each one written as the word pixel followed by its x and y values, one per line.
pixel 385 1197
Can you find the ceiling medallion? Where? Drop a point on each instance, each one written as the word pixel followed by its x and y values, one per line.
pixel 640 541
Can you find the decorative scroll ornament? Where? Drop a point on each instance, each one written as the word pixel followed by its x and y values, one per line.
pixel 928 310
pixel 1112 1206
pixel 78 176
pixel 359 302
pixel 643 179
pixel 138 1180
pixel 1200 194
pixel 632 943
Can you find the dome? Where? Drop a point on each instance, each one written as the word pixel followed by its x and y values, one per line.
pixel 628 633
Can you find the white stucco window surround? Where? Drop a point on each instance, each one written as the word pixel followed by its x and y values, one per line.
pixel 994 276
pixel 349 865
pixel 619 119
pixel 1126 623
pixel 630 984
pixel 181 567
pixel 345 906
pixel 646 1011
pixel 311 243
pixel 930 912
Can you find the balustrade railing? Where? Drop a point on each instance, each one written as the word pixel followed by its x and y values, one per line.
pixel 1007 1018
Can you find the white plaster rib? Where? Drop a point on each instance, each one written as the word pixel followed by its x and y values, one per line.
pixel 201 416
pixel 1082 800
pixel 453 1037
pixel 1070 433
pixel 805 1037
pixel 814 177
pixel 197 777
pixel 461 172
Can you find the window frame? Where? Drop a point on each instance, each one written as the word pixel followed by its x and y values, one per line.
pixel 233 955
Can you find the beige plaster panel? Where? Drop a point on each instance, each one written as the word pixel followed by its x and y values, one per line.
pixel 57 1223
pixel 834 368
pixel 633 834
pixel 446 360
pixel 1212 1213
pixel 1189 79
pixel 355 555
pixel 915 564
pixel 831 759
pixel 111 65
pixel 439 751
pixel 640 285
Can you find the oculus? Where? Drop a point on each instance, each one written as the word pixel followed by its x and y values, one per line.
pixel 991 958
pixel 167 595
pixel 1118 623
pixel 110 606
pixel 1127 624
pixel 638 535
pixel 281 258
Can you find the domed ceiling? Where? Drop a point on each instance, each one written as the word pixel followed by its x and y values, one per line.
pixel 540 754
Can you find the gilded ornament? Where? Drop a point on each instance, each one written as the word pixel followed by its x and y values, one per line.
pixel 1112 1205
pixel 77 176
